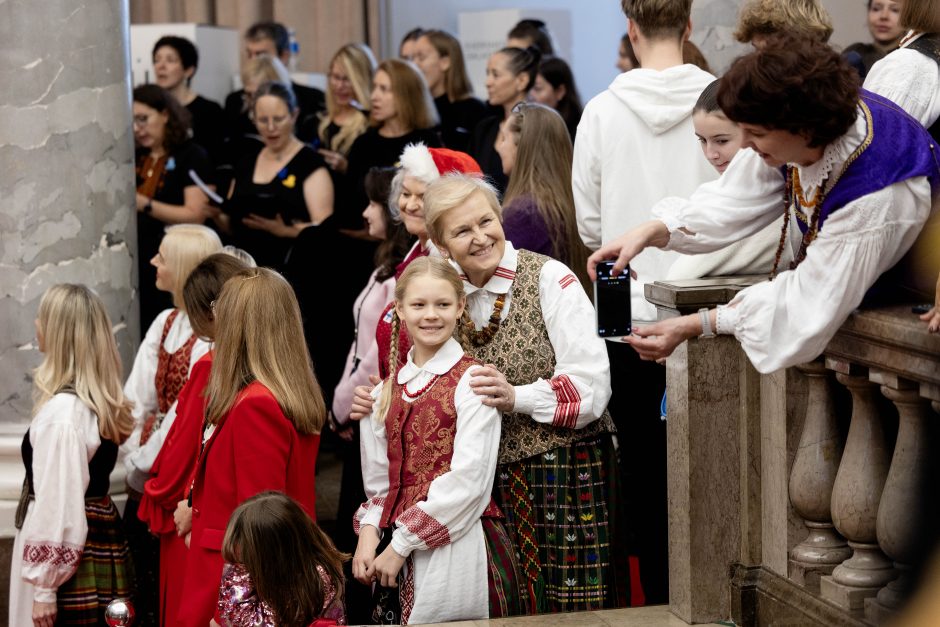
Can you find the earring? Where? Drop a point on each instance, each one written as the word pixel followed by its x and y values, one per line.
pixel 444 254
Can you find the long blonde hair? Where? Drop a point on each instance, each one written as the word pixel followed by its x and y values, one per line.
pixel 259 337
pixel 542 171
pixel 435 268
pixel 81 354
pixel 359 63
pixel 186 246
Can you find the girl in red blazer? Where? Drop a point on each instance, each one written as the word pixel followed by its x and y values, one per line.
pixel 263 419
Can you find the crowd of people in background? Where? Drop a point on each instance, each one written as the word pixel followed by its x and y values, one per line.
pixel 404 271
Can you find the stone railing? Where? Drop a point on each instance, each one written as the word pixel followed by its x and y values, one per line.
pixel 795 497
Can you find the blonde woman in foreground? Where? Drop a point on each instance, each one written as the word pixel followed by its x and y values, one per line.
pixel 69 554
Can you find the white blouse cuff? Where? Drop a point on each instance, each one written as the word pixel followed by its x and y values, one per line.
pixel 525 399
pixel 726 319
pixel 44 595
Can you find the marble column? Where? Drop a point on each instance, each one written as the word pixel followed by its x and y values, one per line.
pixel 66 191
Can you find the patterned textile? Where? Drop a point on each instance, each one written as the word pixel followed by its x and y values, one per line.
pixel 104 570
pixel 519 494
pixel 239 605
pixel 583 563
pixel 172 372
pixel 392 606
pixel 507 596
pixel 522 351
pixel 424 454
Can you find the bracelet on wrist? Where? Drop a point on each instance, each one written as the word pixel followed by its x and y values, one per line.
pixel 707 332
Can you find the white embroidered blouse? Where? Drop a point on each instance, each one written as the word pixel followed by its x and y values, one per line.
pixel 790 320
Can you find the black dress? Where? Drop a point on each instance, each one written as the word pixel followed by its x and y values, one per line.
pixel 483 149
pixel 208 126
pixel 170 189
pixel 458 119
pixel 283 195
pixel 368 151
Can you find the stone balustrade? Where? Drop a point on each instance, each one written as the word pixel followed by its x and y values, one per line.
pixel 798 497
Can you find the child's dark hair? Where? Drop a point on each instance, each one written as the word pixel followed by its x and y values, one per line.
pixel 524 62
pixel 708 100
pixel 535 31
pixel 392 250
pixel 281 547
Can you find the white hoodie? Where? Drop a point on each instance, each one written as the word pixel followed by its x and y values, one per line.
pixel 635 146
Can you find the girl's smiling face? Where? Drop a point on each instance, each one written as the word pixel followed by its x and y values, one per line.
pixel 430 309
pixel 720 137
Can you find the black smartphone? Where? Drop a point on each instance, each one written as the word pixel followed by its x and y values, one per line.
pixel 612 301
pixel 921 309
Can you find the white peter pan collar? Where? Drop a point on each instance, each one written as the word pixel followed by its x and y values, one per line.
pixel 444 359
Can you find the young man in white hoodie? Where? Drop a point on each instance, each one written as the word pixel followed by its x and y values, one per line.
pixel 635 146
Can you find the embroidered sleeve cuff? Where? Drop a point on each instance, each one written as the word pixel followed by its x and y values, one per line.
pixel 569 402
pixel 726 320
pixel 44 595
pixel 421 524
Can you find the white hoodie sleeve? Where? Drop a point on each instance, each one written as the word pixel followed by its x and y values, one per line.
pixel 586 179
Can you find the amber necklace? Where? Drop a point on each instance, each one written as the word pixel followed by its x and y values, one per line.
pixel 484 335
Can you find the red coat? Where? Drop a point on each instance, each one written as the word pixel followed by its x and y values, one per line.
pixel 254 448
pixel 171 477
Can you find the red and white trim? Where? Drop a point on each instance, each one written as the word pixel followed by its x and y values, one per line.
pixel 364 509
pixel 50 554
pixel 429 530
pixel 568 279
pixel 569 402
pixel 505 273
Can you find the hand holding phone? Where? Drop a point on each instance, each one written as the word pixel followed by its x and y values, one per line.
pixel 612 301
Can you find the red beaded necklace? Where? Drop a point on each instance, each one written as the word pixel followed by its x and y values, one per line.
pixel 411 396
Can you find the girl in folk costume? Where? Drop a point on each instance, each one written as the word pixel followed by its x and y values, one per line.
pixel 262 424
pixel 161 368
pixel 69 555
pixel 172 471
pixel 281 570
pixel 420 166
pixel 430 535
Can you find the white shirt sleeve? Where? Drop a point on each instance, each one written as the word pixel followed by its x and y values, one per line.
pixel 139 388
pixel 64 435
pixel 791 319
pixel 911 80
pixel 457 498
pixel 579 390
pixel 586 180
pixel 373 446
pixel 744 200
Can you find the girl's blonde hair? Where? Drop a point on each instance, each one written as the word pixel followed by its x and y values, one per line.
pixel 435 268
pixel 186 245
pixel 451 191
pixel 281 547
pixel 259 337
pixel 542 172
pixel 81 355
pixel 457 84
pixel 413 100
pixel 359 64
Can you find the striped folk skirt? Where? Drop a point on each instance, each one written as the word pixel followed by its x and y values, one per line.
pixel 565 519
pixel 104 571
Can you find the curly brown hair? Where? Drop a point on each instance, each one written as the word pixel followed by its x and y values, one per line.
pixel 806 18
pixel 793 84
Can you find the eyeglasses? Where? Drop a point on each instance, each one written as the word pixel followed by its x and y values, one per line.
pixel 339 79
pixel 141 120
pixel 273 122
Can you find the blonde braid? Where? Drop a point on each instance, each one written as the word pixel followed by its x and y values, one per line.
pixel 385 399
pixel 464 325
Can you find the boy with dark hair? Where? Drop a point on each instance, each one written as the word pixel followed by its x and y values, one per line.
pixel 635 146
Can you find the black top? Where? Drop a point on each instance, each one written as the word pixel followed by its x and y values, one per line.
pixel 99 468
pixel 208 126
pixel 283 195
pixel 368 151
pixel 170 189
pixel 241 136
pixel 483 149
pixel 458 120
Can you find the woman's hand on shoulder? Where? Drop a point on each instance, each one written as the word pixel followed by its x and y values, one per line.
pixel 492 385
pixel 362 401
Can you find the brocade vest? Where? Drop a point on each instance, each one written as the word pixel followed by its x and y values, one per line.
pixel 523 352
pixel 420 437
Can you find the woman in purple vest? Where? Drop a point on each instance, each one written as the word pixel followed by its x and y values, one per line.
pixel 852 169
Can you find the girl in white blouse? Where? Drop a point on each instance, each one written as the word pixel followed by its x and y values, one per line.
pixel 69 555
